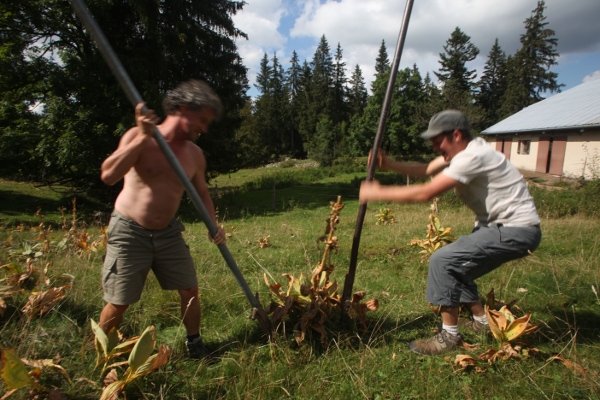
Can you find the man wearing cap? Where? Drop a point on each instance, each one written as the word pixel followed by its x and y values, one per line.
pixel 507 225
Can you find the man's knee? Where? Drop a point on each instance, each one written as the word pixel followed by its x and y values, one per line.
pixel 116 308
pixel 190 293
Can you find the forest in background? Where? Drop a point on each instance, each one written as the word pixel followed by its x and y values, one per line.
pixel 62 112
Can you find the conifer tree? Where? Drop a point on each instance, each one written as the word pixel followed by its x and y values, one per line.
pixel 456 78
pixel 382 62
pixel 492 85
pixel 357 94
pixel 84 110
pixel 529 73
pixel 293 76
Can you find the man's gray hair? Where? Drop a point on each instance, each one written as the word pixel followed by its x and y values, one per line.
pixel 194 94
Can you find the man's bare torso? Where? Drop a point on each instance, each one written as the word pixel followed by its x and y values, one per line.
pixel 152 191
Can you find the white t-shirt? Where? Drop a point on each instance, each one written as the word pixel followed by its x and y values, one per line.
pixel 491 186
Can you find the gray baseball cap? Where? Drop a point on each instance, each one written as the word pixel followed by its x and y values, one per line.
pixel 444 121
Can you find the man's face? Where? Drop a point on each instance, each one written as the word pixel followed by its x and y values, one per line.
pixel 197 121
pixel 445 144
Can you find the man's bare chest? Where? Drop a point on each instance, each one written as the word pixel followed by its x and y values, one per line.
pixel 153 164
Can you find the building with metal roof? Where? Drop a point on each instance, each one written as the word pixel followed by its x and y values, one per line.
pixel 559 135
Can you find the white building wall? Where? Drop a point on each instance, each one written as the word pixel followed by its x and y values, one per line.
pixel 582 156
pixel 524 161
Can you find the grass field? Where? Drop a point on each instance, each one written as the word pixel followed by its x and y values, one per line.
pixel 558 285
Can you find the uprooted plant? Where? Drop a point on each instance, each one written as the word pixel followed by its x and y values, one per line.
pixel 141 361
pixel 436 237
pixel 507 329
pixel 385 217
pixel 311 301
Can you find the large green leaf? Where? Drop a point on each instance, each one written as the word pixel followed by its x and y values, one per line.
pixel 142 349
pixel 101 338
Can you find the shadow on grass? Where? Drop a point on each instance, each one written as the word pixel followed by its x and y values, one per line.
pixel 379 332
pixel 566 323
pixel 21 208
pixel 236 203
pixel 269 197
pixel 15 203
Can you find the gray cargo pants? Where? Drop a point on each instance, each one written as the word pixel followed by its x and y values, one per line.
pixel 454 267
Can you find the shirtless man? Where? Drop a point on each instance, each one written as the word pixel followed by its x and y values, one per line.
pixel 143 233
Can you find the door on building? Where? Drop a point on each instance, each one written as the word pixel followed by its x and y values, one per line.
pixel 503 146
pixel 551 155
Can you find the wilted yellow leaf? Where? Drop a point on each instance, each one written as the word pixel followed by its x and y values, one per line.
pixel 569 364
pixel 464 361
pixel 111 377
pixel 112 391
pixel 46 363
pixel 14 373
pixel 517 327
pixel 488 356
pixel 41 303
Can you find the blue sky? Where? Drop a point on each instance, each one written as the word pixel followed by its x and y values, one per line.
pixel 359 26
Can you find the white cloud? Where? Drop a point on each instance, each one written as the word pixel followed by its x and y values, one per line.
pixel 592 77
pixel 260 19
pixel 359 26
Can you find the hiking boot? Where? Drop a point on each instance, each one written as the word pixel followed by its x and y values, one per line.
pixel 474 326
pixel 197 349
pixel 441 342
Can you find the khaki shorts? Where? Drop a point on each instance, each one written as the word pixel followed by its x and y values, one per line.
pixel 133 251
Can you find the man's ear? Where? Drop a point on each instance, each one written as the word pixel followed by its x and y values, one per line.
pixel 457 135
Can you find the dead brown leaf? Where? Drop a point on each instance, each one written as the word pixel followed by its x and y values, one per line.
pixel 569 364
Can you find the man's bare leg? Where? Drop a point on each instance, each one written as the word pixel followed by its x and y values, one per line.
pixel 111 316
pixel 190 310
pixel 476 308
pixel 449 315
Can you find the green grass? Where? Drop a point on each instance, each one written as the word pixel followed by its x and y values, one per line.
pixel 356 364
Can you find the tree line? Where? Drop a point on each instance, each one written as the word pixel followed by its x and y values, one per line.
pixel 314 110
pixel 62 112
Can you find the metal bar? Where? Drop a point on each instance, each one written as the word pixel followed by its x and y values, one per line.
pixel 362 210
pixel 134 97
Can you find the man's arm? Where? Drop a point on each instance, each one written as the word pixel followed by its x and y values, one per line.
pixel 373 191
pixel 131 145
pixel 416 170
pixel 199 182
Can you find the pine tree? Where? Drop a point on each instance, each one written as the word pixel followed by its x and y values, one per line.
pixel 492 85
pixel 363 128
pixel 160 44
pixel 293 76
pixel 358 94
pixel 263 78
pixel 320 93
pixel 529 70
pixel 272 111
pixel 340 88
pixel 382 62
pixel 453 73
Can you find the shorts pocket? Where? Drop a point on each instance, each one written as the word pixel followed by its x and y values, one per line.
pixel 109 270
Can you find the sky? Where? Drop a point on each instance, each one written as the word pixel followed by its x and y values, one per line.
pixel 359 26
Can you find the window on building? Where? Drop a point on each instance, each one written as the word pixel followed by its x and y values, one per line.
pixel 523 147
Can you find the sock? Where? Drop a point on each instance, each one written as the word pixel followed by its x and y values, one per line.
pixel 191 338
pixel 451 329
pixel 481 319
